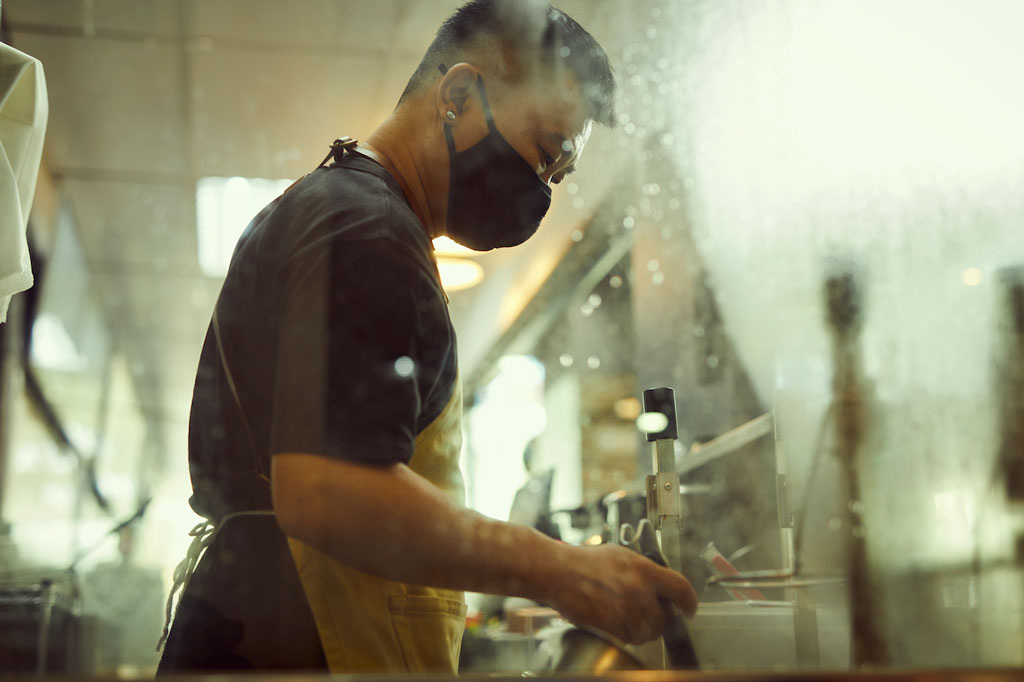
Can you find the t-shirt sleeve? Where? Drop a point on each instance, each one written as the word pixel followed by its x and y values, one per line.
pixel 348 366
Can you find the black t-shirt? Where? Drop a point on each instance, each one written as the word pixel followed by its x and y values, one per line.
pixel 337 334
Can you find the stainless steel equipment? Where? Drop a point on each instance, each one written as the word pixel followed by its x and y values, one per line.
pixel 586 651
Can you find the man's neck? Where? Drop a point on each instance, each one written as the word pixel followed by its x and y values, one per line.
pixel 388 146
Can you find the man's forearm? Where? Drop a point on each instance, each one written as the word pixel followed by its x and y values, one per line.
pixel 391 522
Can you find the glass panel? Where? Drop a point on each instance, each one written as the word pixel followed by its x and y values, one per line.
pixel 804 218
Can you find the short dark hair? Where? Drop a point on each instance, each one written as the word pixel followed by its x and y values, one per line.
pixel 522 29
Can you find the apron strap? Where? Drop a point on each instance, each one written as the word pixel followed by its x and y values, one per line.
pixel 203 535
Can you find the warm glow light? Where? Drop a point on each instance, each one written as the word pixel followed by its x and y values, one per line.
pixel 971 277
pixel 459 273
pixel 445 246
pixel 627 408
pixel 594 540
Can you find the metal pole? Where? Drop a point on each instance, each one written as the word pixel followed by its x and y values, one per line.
pixel 45 614
pixel 663 503
pixel 10 334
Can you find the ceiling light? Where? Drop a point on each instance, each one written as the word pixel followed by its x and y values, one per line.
pixel 459 273
pixel 224 206
pixel 53 347
pixel 445 246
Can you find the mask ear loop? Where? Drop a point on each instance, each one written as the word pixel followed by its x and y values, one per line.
pixel 451 175
pixel 487 115
pixel 487 105
pixel 448 130
pixel 483 99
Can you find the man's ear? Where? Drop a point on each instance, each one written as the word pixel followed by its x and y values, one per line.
pixel 454 89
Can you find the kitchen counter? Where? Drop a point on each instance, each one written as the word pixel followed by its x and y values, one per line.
pixel 965 675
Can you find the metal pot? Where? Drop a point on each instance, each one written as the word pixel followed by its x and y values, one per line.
pixel 586 651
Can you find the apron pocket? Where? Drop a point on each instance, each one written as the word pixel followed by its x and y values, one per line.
pixel 429 631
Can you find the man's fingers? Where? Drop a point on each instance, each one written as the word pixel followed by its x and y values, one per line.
pixel 631 622
pixel 677 589
pixel 654 617
pixel 649 617
pixel 628 629
pixel 637 623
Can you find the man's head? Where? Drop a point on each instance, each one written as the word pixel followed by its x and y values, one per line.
pixel 503 71
pixel 515 41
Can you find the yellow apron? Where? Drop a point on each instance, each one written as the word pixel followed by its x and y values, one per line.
pixel 369 624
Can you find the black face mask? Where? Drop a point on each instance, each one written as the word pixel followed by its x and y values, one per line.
pixel 495 198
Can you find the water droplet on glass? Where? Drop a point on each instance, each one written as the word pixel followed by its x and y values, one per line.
pixel 404 366
pixel 629 128
pixel 577 203
pixel 857 507
pixel 594 300
pixel 576 236
pixel 698 331
pixel 628 222
pixel 652 266
pixel 565 360
pixel 586 310
pixel 572 188
pixel 673 204
pixel 567 146
pixel 615 282
pixel 859 531
pixel 835 523
pixel 658 277
pixel 712 361
pixel 564 52
pixel 593 362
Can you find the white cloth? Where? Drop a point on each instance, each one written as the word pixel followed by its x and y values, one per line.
pixel 23 113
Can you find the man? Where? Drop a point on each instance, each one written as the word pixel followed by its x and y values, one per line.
pixel 325 428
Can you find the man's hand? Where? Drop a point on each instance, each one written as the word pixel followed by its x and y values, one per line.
pixel 619 591
pixel 389 521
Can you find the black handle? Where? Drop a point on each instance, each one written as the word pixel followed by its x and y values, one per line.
pixel 678 645
pixel 662 400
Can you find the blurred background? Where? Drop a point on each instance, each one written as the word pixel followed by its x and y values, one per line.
pixel 804 207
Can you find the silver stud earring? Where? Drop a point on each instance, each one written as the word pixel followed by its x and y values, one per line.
pixel 451 115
